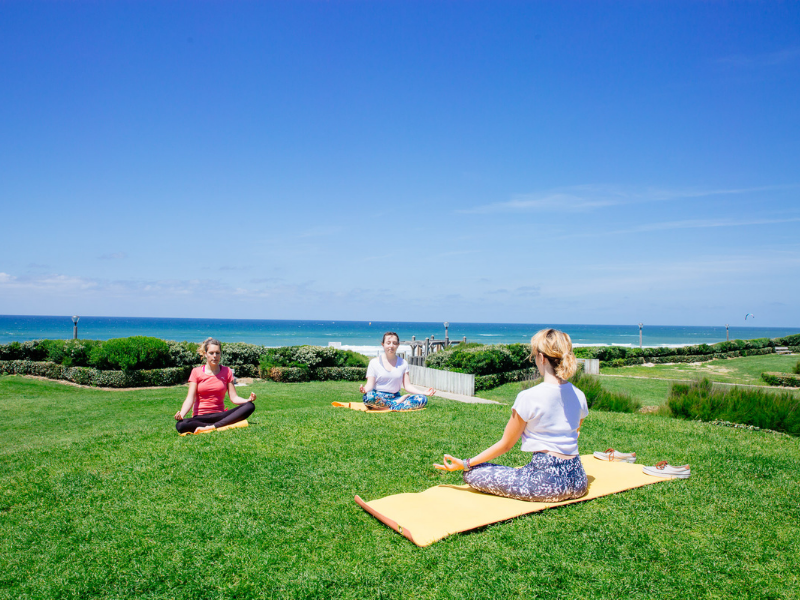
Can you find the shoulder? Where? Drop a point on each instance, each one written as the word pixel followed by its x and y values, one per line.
pixel 225 373
pixel 196 374
pixel 578 393
pixel 375 362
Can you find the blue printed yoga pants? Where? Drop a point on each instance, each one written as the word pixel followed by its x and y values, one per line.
pixel 546 478
pixel 376 399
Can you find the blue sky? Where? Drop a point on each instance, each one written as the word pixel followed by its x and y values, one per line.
pixel 537 162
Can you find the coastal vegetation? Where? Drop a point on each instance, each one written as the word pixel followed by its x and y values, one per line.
pixel 739 370
pixel 699 400
pixel 100 498
pixel 619 356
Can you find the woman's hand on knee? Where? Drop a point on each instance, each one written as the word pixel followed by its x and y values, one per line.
pixel 252 397
pixel 451 463
pixel 178 416
pixel 362 389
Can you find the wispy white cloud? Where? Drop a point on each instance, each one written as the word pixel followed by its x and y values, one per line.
pixel 583 198
pixel 762 59
pixel 700 224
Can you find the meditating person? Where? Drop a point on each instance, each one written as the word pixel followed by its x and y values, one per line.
pixel 386 374
pixel 207 387
pixel 548 417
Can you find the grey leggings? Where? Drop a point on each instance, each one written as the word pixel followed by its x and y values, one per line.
pixel 546 478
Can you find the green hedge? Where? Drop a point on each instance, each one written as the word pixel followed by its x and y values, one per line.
pixel 487 382
pixel 339 374
pixel 299 374
pixel 485 360
pixel 749 406
pixel 782 379
pixel 598 398
pixel 311 357
pixel 96 377
pixel 682 358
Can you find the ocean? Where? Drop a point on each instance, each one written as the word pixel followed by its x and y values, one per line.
pixel 362 333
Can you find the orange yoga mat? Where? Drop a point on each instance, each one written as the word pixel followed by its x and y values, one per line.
pixel 360 406
pixel 232 426
pixel 429 516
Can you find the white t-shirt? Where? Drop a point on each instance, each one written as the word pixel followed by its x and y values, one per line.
pixel 552 413
pixel 387 381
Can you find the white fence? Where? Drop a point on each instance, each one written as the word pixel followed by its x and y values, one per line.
pixel 446 381
pixel 591 366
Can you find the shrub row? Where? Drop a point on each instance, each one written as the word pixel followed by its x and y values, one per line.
pixel 126 354
pixel 501 358
pixel 598 398
pixel 484 360
pixel 96 377
pixel 682 358
pixel 767 410
pixel 310 357
pixel 487 382
pixel 607 353
pixel 299 374
pixel 782 379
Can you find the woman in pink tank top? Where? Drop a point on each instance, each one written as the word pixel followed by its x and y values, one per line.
pixel 206 396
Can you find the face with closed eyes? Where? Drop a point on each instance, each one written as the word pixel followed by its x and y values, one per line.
pixel 390 344
pixel 213 355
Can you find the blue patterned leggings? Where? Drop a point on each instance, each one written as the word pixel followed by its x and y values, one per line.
pixel 546 478
pixel 376 399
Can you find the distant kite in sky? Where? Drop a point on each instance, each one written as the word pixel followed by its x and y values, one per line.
pixel 749 315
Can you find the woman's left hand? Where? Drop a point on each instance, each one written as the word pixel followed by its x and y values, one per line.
pixel 252 396
pixel 430 392
pixel 451 463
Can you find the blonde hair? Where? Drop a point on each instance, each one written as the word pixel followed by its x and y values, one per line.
pixel 557 348
pixel 203 347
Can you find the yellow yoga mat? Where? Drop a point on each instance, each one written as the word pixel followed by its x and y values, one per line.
pixel 236 425
pixel 437 512
pixel 360 406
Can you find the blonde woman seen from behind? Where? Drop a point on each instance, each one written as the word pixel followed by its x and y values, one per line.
pixel 548 418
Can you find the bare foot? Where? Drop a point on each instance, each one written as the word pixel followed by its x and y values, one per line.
pixel 204 429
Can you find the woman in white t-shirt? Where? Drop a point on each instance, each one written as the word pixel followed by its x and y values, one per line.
pixel 386 374
pixel 548 418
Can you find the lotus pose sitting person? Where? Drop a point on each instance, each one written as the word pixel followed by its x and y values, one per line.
pixel 207 387
pixel 548 417
pixel 386 374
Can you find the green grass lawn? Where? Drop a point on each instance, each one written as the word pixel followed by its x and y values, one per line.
pixel 746 369
pixel 100 498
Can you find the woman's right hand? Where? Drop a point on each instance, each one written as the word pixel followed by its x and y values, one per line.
pixel 451 463
pixel 362 389
pixel 178 416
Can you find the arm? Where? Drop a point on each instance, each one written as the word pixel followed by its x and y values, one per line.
pixel 365 389
pixel 188 403
pixel 235 398
pixel 512 433
pixel 407 386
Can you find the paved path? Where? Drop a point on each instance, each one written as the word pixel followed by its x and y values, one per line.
pixel 465 399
